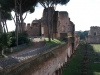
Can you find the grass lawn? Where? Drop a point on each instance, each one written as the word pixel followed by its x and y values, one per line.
pixel 94 63
pixel 53 42
pixel 96 47
pixel 74 65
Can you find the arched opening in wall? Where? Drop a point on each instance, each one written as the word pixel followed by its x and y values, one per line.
pixel 62 68
pixel 94 33
pixel 60 71
pixel 56 72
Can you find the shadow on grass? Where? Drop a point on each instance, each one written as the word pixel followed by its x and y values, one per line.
pixel 74 64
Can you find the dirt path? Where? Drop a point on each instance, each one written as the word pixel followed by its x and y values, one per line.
pixel 34 45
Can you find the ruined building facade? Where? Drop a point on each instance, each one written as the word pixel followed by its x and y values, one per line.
pixel 60 25
pixel 93 35
pixel 34 29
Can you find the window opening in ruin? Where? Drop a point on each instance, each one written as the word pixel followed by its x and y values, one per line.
pixel 63 28
pixel 94 34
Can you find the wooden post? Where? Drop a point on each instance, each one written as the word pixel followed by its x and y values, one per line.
pixel 2 52
pixel 11 50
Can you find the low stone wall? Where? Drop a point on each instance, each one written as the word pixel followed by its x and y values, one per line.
pixel 44 64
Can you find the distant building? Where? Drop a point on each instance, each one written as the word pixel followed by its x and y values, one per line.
pixel 34 29
pixel 93 35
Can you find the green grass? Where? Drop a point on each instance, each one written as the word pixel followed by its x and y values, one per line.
pixel 74 65
pixel 53 42
pixel 96 47
pixel 93 68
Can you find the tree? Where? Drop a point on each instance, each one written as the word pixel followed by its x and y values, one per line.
pixel 48 5
pixel 19 7
pixel 82 34
pixel 5 40
pixel 22 6
pixel 5 15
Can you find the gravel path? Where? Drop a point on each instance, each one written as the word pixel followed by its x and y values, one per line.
pixel 21 56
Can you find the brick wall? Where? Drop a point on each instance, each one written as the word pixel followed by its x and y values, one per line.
pixel 44 64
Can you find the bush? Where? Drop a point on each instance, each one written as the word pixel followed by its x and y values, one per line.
pixel 22 38
pixel 9 39
pixel 5 40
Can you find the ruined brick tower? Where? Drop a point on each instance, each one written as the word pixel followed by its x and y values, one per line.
pixel 93 35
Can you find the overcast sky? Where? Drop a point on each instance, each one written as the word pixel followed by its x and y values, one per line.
pixel 84 13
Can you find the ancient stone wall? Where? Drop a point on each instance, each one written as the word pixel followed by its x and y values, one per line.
pixel 93 35
pixel 47 20
pixel 94 30
pixel 76 41
pixel 61 24
pixel 47 63
pixel 34 29
pixel 71 29
pixel 93 39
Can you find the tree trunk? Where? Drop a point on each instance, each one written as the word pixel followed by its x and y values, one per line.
pixel 6 26
pixel 16 14
pixel 0 23
pixel 48 24
pixel 21 18
pixel 52 23
pixel 4 30
pixel 16 29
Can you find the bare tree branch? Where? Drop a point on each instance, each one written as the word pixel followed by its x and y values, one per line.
pixel 13 19
pixel 42 4
pixel 25 16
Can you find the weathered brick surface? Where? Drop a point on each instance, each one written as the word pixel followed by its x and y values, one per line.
pixel 93 35
pixel 43 64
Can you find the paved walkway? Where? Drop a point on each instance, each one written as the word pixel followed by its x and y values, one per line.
pixel 21 56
